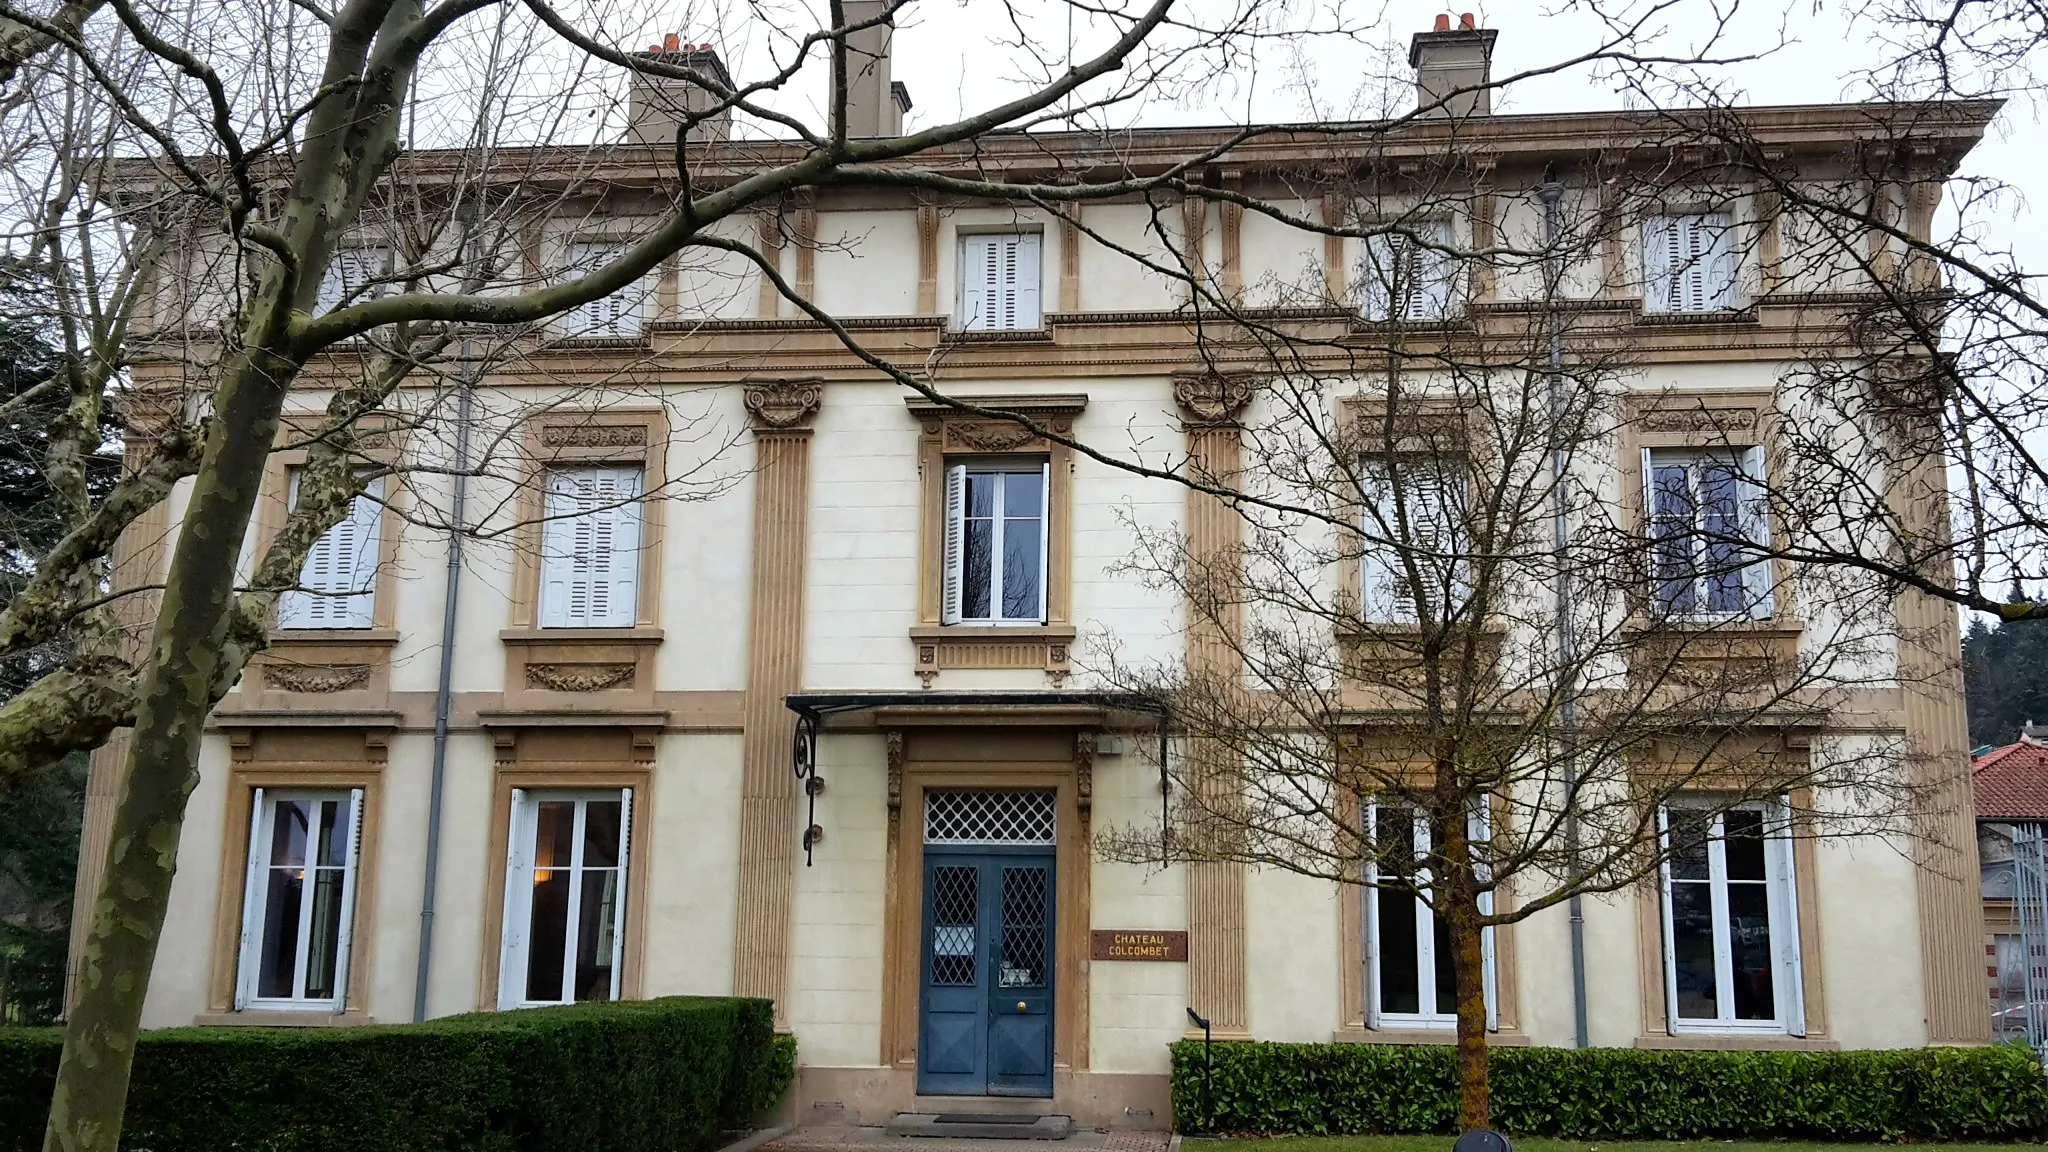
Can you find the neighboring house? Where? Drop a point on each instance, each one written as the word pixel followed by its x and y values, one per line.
pixel 2010 786
pixel 621 819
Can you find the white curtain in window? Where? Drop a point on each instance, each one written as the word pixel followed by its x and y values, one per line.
pixel 337 583
pixel 590 548
pixel 1689 262
pixel 999 278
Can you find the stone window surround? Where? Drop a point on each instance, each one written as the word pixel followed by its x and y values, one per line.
pixel 569 753
pixel 551 666
pixel 348 666
pixel 327 758
pixel 1656 1026
pixel 949 436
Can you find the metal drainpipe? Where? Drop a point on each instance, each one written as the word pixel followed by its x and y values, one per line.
pixel 444 694
pixel 1551 193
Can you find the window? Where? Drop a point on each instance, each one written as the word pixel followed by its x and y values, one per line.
pixel 1405 278
pixel 590 548
pixel 352 275
pixel 298 906
pixel 999 275
pixel 337 585
pixel 565 897
pixel 1414 532
pixel 995 543
pixel 1706 520
pixel 617 315
pixel 1731 933
pixel 1409 977
pixel 1688 263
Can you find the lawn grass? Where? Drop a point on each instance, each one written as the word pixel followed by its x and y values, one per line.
pixel 1544 1144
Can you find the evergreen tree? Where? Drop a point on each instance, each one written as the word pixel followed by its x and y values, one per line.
pixel 2005 677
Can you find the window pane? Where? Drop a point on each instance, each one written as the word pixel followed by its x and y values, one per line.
pixel 1692 949
pixel 547 931
pixel 1688 829
pixel 1672 533
pixel 955 899
pixel 601 834
pixel 1749 949
pixel 554 836
pixel 1021 569
pixel 1721 519
pixel 977 570
pixel 1024 934
pixel 981 493
pixel 1446 970
pixel 1400 971
pixel 283 890
pixel 288 828
pixel 333 844
pixel 324 941
pixel 597 921
pixel 1023 493
pixel 1744 844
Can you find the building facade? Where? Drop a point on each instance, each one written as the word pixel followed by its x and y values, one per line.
pixel 716 533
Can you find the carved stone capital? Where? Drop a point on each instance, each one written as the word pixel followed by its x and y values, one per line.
pixel 1084 774
pixel 1209 398
pixel 778 404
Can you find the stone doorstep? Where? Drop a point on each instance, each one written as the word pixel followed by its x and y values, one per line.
pixel 980 1126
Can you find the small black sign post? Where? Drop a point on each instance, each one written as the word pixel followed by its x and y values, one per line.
pixel 1208 1067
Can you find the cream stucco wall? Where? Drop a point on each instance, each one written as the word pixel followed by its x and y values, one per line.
pixel 835 962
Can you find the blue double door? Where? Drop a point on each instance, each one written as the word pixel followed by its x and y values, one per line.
pixel 985 1013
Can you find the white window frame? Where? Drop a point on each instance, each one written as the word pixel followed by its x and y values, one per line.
pixel 354 273
pixel 1480 824
pixel 955 553
pixel 987 301
pixel 619 316
pixel 1427 279
pixel 1689 262
pixel 255 894
pixel 1384 589
pixel 513 947
pixel 1758 578
pixel 582 529
pixel 338 598
pixel 1788 986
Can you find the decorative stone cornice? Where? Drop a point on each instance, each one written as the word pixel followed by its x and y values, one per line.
pixel 781 404
pixel 1211 398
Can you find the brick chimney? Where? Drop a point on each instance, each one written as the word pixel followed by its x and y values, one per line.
pixel 1448 59
pixel 875 104
pixel 657 103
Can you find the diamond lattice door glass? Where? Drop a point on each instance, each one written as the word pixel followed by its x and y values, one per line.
pixel 985 1012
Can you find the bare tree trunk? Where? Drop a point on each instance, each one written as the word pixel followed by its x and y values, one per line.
pixel 1468 960
pixel 174 698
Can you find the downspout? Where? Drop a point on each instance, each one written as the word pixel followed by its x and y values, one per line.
pixel 1551 193
pixel 444 691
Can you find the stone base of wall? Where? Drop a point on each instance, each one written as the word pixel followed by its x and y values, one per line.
pixel 869 1096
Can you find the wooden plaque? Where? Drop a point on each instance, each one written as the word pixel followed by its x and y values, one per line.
pixel 1138 944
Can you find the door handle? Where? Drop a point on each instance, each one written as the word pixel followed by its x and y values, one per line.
pixel 1023 1007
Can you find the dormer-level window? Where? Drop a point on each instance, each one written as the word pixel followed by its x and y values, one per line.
pixel 356 273
pixel 1689 263
pixel 617 316
pixel 999 281
pixel 1406 275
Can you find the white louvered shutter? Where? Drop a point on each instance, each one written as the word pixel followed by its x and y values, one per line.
pixel 613 316
pixel 999 281
pixel 1381 278
pixel 1044 537
pixel 1023 272
pixel 1782 894
pixel 1432 275
pixel 619 909
pixel 248 954
pixel 1758 582
pixel 1664 919
pixel 351 276
pixel 590 548
pixel 1717 261
pixel 352 863
pixel 1662 260
pixel 978 280
pixel 337 583
pixel 954 556
pixel 518 890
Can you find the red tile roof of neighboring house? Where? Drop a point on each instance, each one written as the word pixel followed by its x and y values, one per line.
pixel 2011 783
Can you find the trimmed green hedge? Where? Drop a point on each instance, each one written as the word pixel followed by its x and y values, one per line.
pixel 666 1075
pixel 1995 1093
